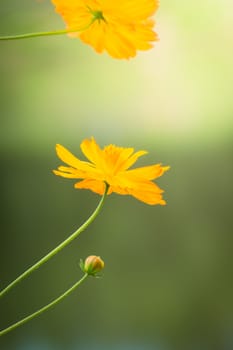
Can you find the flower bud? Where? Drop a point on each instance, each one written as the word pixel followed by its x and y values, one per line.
pixel 92 265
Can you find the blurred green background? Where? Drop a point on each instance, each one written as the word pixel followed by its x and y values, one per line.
pixel 168 277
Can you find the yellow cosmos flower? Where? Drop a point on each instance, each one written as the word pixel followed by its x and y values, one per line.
pixel 110 165
pixel 120 27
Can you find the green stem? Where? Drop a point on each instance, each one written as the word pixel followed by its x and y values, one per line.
pixel 55 32
pixel 59 247
pixel 46 307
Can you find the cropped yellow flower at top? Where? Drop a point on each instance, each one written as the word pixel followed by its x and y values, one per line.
pixel 121 27
pixel 110 165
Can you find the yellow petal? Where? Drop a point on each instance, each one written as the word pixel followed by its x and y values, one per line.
pixel 134 158
pixel 92 151
pixel 117 44
pixel 150 172
pixel 93 185
pixel 148 198
pixel 73 173
pixel 147 192
pixel 134 9
pixel 68 158
pixel 66 175
pixel 149 195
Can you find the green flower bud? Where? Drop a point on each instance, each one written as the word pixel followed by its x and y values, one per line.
pixel 92 265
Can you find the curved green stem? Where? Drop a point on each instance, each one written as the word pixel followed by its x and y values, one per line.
pixel 59 247
pixel 55 32
pixel 46 307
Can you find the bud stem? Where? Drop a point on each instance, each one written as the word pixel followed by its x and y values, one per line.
pixel 59 247
pixel 46 307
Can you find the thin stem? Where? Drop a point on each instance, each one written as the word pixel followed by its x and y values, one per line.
pixel 55 32
pixel 59 247
pixel 46 307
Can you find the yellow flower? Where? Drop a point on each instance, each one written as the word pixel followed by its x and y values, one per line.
pixel 110 165
pixel 121 27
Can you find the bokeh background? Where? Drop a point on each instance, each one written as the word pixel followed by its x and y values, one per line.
pixel 168 278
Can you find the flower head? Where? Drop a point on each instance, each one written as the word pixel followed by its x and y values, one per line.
pixel 120 27
pixel 110 165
